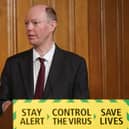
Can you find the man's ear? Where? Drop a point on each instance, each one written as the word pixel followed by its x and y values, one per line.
pixel 52 25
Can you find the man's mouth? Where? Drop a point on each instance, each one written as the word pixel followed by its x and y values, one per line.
pixel 30 36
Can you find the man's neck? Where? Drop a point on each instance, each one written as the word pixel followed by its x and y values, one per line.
pixel 42 50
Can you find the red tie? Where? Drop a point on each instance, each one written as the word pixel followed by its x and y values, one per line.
pixel 40 80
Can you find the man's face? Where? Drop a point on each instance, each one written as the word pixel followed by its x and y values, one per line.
pixel 37 27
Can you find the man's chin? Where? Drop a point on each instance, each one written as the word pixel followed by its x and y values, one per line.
pixel 33 43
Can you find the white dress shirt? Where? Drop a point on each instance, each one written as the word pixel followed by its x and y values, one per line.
pixel 36 64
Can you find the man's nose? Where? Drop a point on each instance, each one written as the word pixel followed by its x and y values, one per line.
pixel 29 26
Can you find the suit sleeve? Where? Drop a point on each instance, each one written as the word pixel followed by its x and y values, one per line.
pixel 4 85
pixel 81 90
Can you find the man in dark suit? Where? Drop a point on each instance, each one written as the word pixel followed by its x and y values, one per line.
pixel 65 74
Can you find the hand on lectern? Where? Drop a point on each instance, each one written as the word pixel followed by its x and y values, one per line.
pixel 5 105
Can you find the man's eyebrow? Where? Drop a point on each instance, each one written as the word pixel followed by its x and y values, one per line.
pixel 34 19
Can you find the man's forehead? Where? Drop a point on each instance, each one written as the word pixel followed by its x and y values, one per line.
pixel 38 8
pixel 36 13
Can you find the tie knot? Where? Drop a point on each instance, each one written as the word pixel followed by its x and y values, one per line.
pixel 41 60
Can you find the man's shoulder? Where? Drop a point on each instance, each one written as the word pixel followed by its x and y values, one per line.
pixel 69 55
pixel 20 55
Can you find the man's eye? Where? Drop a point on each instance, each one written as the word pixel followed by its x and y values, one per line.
pixel 26 23
pixel 35 22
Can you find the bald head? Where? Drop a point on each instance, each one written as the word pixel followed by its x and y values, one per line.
pixel 46 10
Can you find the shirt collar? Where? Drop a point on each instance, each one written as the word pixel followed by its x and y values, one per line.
pixel 48 56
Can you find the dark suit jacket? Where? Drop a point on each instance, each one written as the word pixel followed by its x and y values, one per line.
pixel 67 78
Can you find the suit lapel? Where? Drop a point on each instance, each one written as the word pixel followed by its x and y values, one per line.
pixel 53 74
pixel 26 66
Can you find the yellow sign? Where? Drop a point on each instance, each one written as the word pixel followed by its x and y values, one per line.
pixel 71 114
